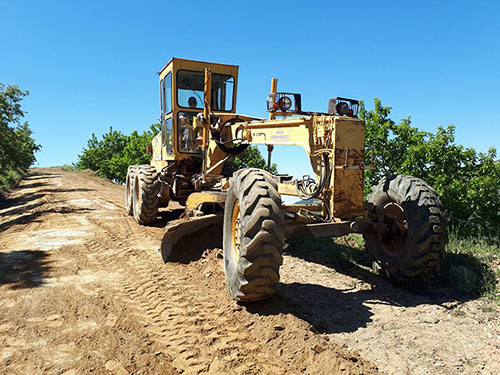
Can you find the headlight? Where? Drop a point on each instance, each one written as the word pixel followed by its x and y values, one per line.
pixel 342 108
pixel 285 103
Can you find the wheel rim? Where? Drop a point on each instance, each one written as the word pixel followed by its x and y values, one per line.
pixel 236 229
pixel 394 237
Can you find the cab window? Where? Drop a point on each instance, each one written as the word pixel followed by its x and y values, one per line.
pixel 222 92
pixel 190 89
pixel 167 94
pixel 187 132
pixel 162 95
pixel 168 134
pixel 190 86
pixel 166 109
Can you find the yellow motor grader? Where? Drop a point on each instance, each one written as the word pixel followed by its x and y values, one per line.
pixel 403 221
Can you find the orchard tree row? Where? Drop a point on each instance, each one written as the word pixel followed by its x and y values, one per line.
pixel 111 155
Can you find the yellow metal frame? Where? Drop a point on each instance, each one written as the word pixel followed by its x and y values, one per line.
pixel 341 138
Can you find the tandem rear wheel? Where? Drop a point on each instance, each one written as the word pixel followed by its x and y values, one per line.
pixel 412 243
pixel 141 193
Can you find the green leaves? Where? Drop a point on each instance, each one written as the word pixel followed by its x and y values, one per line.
pixel 17 146
pixel 111 155
pixel 467 182
pixel 251 158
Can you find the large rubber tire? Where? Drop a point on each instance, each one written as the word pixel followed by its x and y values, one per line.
pixel 129 190
pixel 146 187
pixel 253 236
pixel 415 253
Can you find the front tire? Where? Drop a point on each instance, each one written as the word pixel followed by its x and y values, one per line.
pixel 253 236
pixel 129 190
pixel 145 194
pixel 412 244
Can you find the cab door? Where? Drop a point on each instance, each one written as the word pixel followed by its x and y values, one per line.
pixel 166 116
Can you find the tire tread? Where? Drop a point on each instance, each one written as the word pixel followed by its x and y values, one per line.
pixel 146 209
pixel 427 224
pixel 262 237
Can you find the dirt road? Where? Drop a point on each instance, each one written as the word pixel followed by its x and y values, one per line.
pixel 84 290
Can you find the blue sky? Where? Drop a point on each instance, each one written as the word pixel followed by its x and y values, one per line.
pixel 90 65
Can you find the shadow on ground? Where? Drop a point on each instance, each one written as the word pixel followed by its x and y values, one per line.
pixel 331 310
pixel 33 185
pixel 24 269
pixel 35 216
pixel 19 201
pixel 166 215
pixel 39 176
pixel 327 310
pixel 445 286
pixel 63 190
pixel 28 207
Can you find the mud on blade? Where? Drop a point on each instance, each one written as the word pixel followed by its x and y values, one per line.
pixel 186 239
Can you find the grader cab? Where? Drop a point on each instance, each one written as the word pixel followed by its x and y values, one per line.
pixel 403 221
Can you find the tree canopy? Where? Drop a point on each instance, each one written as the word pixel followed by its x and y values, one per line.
pixel 111 155
pixel 17 146
pixel 251 158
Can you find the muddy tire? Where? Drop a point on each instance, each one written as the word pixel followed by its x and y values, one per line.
pixel 129 190
pixel 145 194
pixel 413 243
pixel 253 236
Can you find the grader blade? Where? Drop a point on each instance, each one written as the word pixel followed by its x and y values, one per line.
pixel 186 239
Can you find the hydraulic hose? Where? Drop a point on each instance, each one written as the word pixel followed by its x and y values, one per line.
pixel 308 188
pixel 236 150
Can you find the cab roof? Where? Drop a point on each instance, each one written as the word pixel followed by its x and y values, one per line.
pixel 195 61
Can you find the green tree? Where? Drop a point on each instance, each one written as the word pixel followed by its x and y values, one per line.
pixel 251 158
pixel 17 146
pixel 468 182
pixel 25 146
pixel 111 155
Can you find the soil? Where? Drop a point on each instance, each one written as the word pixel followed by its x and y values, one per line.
pixel 83 289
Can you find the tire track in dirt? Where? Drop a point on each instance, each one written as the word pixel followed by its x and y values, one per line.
pixel 200 326
pixel 176 313
pixel 60 316
pixel 183 309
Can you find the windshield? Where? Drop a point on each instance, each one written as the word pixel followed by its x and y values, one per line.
pixel 190 90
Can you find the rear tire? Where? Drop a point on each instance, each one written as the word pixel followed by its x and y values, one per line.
pixel 145 194
pixel 253 236
pixel 129 190
pixel 413 244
